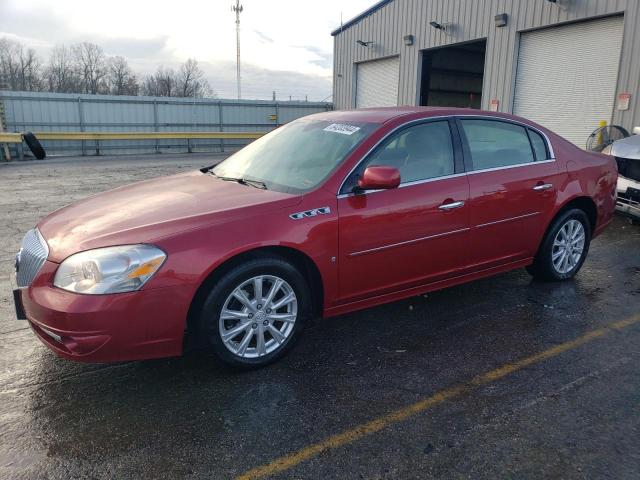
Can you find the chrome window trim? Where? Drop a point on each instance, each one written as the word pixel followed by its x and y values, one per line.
pixel 447 117
pixel 403 185
pixel 407 242
pixel 506 167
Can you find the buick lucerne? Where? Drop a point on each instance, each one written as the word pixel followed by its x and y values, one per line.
pixel 328 214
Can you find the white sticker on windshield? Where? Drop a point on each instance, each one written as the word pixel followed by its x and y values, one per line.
pixel 342 128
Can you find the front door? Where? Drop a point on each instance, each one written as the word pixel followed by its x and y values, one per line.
pixel 410 235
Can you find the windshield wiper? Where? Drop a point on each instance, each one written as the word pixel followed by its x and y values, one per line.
pixel 253 183
pixel 242 181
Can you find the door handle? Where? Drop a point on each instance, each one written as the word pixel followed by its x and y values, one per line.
pixel 451 206
pixel 543 187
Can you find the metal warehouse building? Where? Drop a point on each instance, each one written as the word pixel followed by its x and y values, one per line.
pixel 566 64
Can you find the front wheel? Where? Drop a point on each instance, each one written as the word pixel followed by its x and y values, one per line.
pixel 256 312
pixel 564 248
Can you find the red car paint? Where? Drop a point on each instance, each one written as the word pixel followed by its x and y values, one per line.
pixel 370 249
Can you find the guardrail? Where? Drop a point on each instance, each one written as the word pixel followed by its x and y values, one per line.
pixel 16 138
pixel 10 137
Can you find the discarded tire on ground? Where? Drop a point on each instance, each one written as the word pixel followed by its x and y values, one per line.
pixel 34 145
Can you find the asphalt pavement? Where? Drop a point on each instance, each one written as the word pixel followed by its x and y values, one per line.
pixel 499 378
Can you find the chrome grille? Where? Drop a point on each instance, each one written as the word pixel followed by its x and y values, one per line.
pixel 32 255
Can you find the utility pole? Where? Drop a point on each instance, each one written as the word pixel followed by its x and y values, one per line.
pixel 238 9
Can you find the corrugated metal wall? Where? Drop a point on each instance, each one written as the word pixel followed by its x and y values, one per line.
pixel 474 19
pixel 55 112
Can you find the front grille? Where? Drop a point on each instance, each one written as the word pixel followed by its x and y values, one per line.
pixel 33 253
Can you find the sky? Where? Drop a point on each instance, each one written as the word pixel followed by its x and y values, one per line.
pixel 286 44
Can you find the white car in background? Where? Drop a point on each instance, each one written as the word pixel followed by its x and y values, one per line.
pixel 627 154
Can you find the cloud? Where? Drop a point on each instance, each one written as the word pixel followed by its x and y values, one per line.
pixel 323 59
pixel 286 44
pixel 263 37
pixel 259 82
pixel 134 47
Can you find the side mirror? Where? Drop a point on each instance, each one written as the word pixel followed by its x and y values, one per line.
pixel 379 178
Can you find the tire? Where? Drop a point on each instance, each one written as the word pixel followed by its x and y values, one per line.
pixel 571 223
pixel 258 320
pixel 34 145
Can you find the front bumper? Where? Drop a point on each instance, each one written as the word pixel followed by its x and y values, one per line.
pixel 628 197
pixel 148 323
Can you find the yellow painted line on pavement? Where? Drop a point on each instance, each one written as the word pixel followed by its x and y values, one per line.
pixel 348 436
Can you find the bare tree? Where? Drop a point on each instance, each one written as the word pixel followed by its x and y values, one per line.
pixel 149 86
pixel 120 78
pixel 163 83
pixel 84 68
pixel 8 63
pixel 60 74
pixel 191 81
pixel 91 66
pixel 19 66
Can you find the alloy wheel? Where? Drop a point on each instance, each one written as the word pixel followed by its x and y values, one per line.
pixel 568 246
pixel 258 316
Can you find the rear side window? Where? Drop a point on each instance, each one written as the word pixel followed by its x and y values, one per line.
pixel 539 146
pixel 494 144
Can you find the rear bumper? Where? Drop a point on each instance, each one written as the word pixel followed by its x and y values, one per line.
pixel 106 328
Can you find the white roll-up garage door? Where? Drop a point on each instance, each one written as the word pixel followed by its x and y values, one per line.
pixel 377 83
pixel 566 77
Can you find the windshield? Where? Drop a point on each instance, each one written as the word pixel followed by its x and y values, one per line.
pixel 295 157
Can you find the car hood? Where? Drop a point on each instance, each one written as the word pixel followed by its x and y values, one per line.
pixel 627 148
pixel 147 211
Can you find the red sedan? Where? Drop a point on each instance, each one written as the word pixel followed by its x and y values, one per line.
pixel 328 214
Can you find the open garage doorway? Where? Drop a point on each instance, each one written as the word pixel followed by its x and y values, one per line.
pixel 452 76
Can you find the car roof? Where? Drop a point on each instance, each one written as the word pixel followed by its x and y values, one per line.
pixel 382 115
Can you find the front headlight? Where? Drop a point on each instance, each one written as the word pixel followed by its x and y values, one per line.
pixel 109 270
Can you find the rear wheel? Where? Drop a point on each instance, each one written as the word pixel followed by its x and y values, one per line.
pixel 256 312
pixel 564 248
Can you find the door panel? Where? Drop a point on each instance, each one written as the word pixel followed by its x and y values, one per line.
pixel 508 213
pixel 399 238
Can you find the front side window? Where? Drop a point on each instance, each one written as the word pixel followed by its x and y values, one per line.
pixel 296 157
pixel 419 152
pixel 493 143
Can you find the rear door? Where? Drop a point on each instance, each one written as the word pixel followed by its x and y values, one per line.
pixel 413 234
pixel 513 182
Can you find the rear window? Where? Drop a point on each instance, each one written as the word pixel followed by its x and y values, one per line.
pixel 493 143
pixel 539 146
